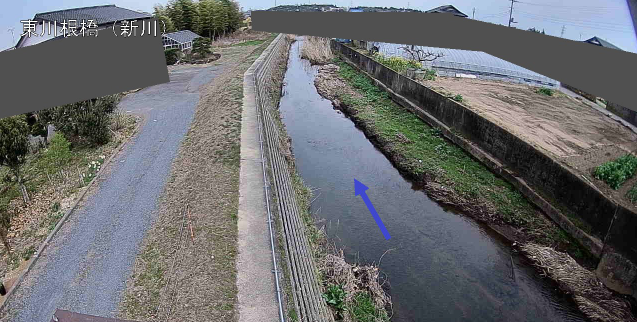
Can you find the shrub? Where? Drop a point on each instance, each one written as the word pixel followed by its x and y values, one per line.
pixel 615 173
pixel 545 91
pixel 398 64
pixel 86 119
pixel 57 155
pixel 172 55
pixel 201 47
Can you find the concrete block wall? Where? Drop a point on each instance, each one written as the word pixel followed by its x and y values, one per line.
pixel 608 221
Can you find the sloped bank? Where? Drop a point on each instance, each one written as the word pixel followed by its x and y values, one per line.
pixel 562 193
pixel 310 267
pixel 417 150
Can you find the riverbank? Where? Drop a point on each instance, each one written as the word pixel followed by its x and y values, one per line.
pixel 352 291
pixel 446 172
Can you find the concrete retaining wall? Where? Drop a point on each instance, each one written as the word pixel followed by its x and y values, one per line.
pixel 540 178
pixel 623 112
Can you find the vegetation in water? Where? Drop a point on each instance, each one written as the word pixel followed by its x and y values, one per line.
pixel 616 172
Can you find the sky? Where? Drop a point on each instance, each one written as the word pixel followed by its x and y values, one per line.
pixel 570 19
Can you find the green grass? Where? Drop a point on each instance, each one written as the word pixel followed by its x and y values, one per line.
pixel 426 152
pixel 364 310
pixel 616 172
pixel 248 43
pixel 545 91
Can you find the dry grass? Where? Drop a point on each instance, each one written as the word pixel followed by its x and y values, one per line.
pixel 317 50
pixel 191 276
pixel 592 297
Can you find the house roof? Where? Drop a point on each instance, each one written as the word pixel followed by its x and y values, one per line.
pixel 101 14
pixel 106 14
pixel 601 42
pixel 182 36
pixel 447 9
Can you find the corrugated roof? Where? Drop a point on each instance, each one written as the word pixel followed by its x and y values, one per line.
pixel 182 36
pixel 601 42
pixel 101 14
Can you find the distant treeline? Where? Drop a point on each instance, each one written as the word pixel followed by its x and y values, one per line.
pixel 208 18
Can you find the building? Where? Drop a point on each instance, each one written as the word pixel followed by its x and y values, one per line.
pixel 601 42
pixel 48 25
pixel 179 39
pixel 447 9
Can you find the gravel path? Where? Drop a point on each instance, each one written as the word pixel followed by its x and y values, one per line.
pixel 86 265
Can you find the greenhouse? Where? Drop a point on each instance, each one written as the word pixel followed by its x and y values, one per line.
pixel 480 64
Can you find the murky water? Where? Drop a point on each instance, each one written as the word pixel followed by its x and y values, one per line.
pixel 441 266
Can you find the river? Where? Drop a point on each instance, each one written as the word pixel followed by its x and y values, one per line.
pixel 441 265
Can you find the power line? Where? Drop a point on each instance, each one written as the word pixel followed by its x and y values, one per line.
pixel 590 24
pixel 577 25
pixel 570 7
pixel 609 24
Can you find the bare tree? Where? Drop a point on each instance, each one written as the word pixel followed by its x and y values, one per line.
pixel 420 55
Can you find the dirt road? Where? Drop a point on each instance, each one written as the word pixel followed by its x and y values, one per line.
pixel 87 263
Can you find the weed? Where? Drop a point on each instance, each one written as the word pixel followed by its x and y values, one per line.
pixel 364 310
pixel 430 74
pixel 616 172
pixel 56 207
pixel 53 218
pixel 458 98
pixel 398 64
pixel 335 297
pixel 545 91
pixel 292 314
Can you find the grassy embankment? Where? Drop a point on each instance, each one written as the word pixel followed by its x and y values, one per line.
pixel 186 276
pixel 450 173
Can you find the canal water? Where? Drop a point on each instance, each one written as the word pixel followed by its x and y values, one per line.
pixel 441 265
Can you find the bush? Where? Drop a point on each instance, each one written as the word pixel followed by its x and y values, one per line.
pixel 458 98
pixel 615 173
pixel 172 55
pixel 89 119
pixel 201 47
pixel 398 64
pixel 57 155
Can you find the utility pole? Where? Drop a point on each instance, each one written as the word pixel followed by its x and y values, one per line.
pixel 563 29
pixel 511 13
pixel 474 14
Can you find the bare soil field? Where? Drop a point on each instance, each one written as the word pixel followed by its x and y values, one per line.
pixel 568 130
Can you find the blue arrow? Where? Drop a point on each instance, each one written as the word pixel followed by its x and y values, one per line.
pixel 359 189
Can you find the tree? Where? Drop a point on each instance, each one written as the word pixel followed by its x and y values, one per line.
pixel 420 55
pixel 161 14
pixel 14 146
pixel 189 15
pixel 205 18
pixel 201 47
pixel 220 18
pixel 537 31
